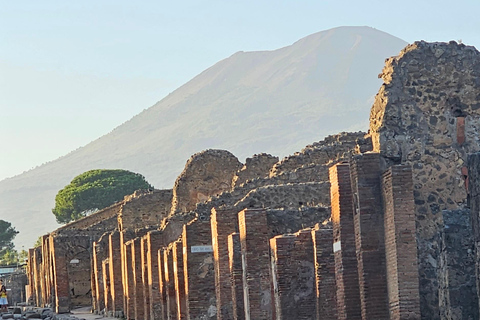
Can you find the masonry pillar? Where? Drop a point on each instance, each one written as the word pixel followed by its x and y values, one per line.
pixel 106 286
pixel 98 301
pixel 325 283
pixel 223 223
pixel 170 284
pixel 293 275
pixel 137 278
pixel 346 272
pixel 162 284
pixel 198 270
pixel 369 235
pixel 236 275
pixel 115 265
pixel 400 243
pixel 154 243
pixel 37 258
pixel 126 252
pixel 144 283
pixel 129 281
pixel 179 277
pixel 62 289
pixel 254 239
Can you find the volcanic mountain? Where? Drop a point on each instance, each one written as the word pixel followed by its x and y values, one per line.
pixel 251 102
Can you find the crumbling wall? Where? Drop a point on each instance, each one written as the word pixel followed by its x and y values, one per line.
pixel 143 209
pixel 287 196
pixel 339 146
pixel 206 173
pixel 257 166
pixel 426 115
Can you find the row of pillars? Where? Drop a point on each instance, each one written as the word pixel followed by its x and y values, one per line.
pixel 362 265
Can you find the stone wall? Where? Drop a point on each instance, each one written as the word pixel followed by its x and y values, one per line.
pixel 144 208
pixel 206 173
pixel 257 166
pixel 426 115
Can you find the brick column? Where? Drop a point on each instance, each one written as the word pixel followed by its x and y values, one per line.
pixel 125 251
pixel 99 296
pixel 162 284
pixel 400 243
pixel 223 223
pixel 169 284
pixel 369 235
pixel 236 275
pixel 346 272
pixel 254 239
pixel 116 285
pixel 137 278
pixel 179 277
pixel 107 298
pixel 326 302
pixel 129 281
pixel 293 275
pixel 154 243
pixel 62 288
pixel 144 283
pixel 37 274
pixel 198 270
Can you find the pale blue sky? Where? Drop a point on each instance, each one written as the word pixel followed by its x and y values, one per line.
pixel 71 71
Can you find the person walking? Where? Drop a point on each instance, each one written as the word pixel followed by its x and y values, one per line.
pixel 3 298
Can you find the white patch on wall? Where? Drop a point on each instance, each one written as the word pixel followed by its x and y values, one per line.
pixel 337 246
pixel 196 249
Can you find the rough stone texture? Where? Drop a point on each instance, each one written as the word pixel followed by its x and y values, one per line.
pixel 257 166
pixel 346 269
pixel 334 147
pixel 400 243
pixel 474 190
pixel 426 114
pixel 236 275
pixel 293 276
pixel 206 173
pixel 254 238
pixel 282 221
pixel 144 208
pixel 369 235
pixel 287 196
pixel 458 288
pixel 325 281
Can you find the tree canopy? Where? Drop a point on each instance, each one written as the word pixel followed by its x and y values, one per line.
pixel 94 190
pixel 7 233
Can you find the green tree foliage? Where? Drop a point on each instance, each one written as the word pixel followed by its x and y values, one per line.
pixel 94 190
pixel 13 257
pixel 7 233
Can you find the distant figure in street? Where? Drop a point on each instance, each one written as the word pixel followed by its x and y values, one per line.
pixel 3 298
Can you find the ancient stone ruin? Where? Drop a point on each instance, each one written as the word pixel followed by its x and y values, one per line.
pixel 377 225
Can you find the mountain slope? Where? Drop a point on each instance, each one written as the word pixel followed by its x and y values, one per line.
pixel 252 102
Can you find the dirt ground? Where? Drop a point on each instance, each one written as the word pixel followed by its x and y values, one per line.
pixel 87 315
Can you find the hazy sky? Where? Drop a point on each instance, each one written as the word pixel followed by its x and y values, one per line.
pixel 71 71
